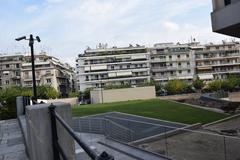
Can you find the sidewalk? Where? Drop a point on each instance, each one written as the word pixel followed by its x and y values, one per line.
pixel 11 141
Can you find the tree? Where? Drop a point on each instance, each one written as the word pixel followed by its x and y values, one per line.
pixel 9 95
pixel 176 87
pixel 233 82
pixel 74 94
pixel 86 93
pixel 215 85
pixel 198 84
pixel 47 92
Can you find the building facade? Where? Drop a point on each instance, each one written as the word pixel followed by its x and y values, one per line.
pixel 10 70
pixel 17 70
pixel 225 17
pixel 163 62
pixel 172 61
pixel 218 61
pixel 113 66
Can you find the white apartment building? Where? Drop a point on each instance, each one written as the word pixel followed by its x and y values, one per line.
pixel 113 66
pixel 49 71
pixel 10 70
pixel 16 70
pixel 172 61
pixel 163 62
pixel 218 61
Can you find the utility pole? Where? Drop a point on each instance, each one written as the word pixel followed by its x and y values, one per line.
pixel 31 43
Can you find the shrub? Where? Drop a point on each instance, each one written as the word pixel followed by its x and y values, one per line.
pixel 47 92
pixel 198 84
pixel 215 85
pixel 75 94
pixel 177 87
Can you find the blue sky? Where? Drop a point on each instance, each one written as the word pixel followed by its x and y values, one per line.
pixel 66 27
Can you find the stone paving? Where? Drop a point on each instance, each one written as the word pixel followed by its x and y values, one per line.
pixel 11 141
pixel 120 151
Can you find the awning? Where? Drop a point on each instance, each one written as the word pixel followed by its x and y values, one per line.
pixel 186 77
pixel 114 74
pixel 138 57
pixel 99 67
pixel 127 73
pixel 206 76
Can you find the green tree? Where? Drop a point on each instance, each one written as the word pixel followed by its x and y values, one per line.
pixel 233 82
pixel 176 87
pixel 198 84
pixel 86 93
pixel 215 85
pixel 9 95
pixel 47 92
pixel 74 94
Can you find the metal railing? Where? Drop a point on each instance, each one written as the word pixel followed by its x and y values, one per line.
pixel 57 149
pixel 199 142
pixel 26 102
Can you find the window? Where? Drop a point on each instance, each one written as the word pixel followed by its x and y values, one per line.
pixel 112 67
pixel 179 64
pixel 180 72
pixel 7 82
pixel 17 65
pixel 7 65
pixel 189 71
pixel 48 72
pixel 17 73
pixel 179 56
pixel 128 66
pixel 49 80
pixel 170 64
pixel 188 63
pixel 171 72
pixel 170 57
pixel 187 55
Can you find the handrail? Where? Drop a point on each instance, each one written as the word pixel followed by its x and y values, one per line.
pixel 57 148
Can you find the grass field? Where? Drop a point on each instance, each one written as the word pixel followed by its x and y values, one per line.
pixel 154 108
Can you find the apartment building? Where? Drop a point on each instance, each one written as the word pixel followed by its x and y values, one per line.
pixel 49 71
pixel 113 66
pixel 10 70
pixel 218 61
pixel 172 61
pixel 17 70
pixel 225 17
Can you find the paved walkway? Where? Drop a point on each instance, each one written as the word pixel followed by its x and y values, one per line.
pixel 11 141
pixel 120 151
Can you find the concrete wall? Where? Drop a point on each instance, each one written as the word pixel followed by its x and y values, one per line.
pixel 71 101
pixel 125 94
pixel 235 96
pixel 181 96
pixel 38 124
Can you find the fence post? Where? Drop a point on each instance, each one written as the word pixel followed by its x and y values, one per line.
pixel 225 150
pixel 166 144
pixel 54 133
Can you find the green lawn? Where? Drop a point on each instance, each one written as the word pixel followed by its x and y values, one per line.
pixel 154 108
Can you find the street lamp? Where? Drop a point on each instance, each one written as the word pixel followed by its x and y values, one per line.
pixel 31 42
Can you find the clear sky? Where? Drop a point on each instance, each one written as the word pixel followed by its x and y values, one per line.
pixel 66 27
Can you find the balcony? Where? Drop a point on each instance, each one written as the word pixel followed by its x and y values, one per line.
pixel 225 17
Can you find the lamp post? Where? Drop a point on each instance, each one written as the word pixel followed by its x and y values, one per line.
pixel 31 42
